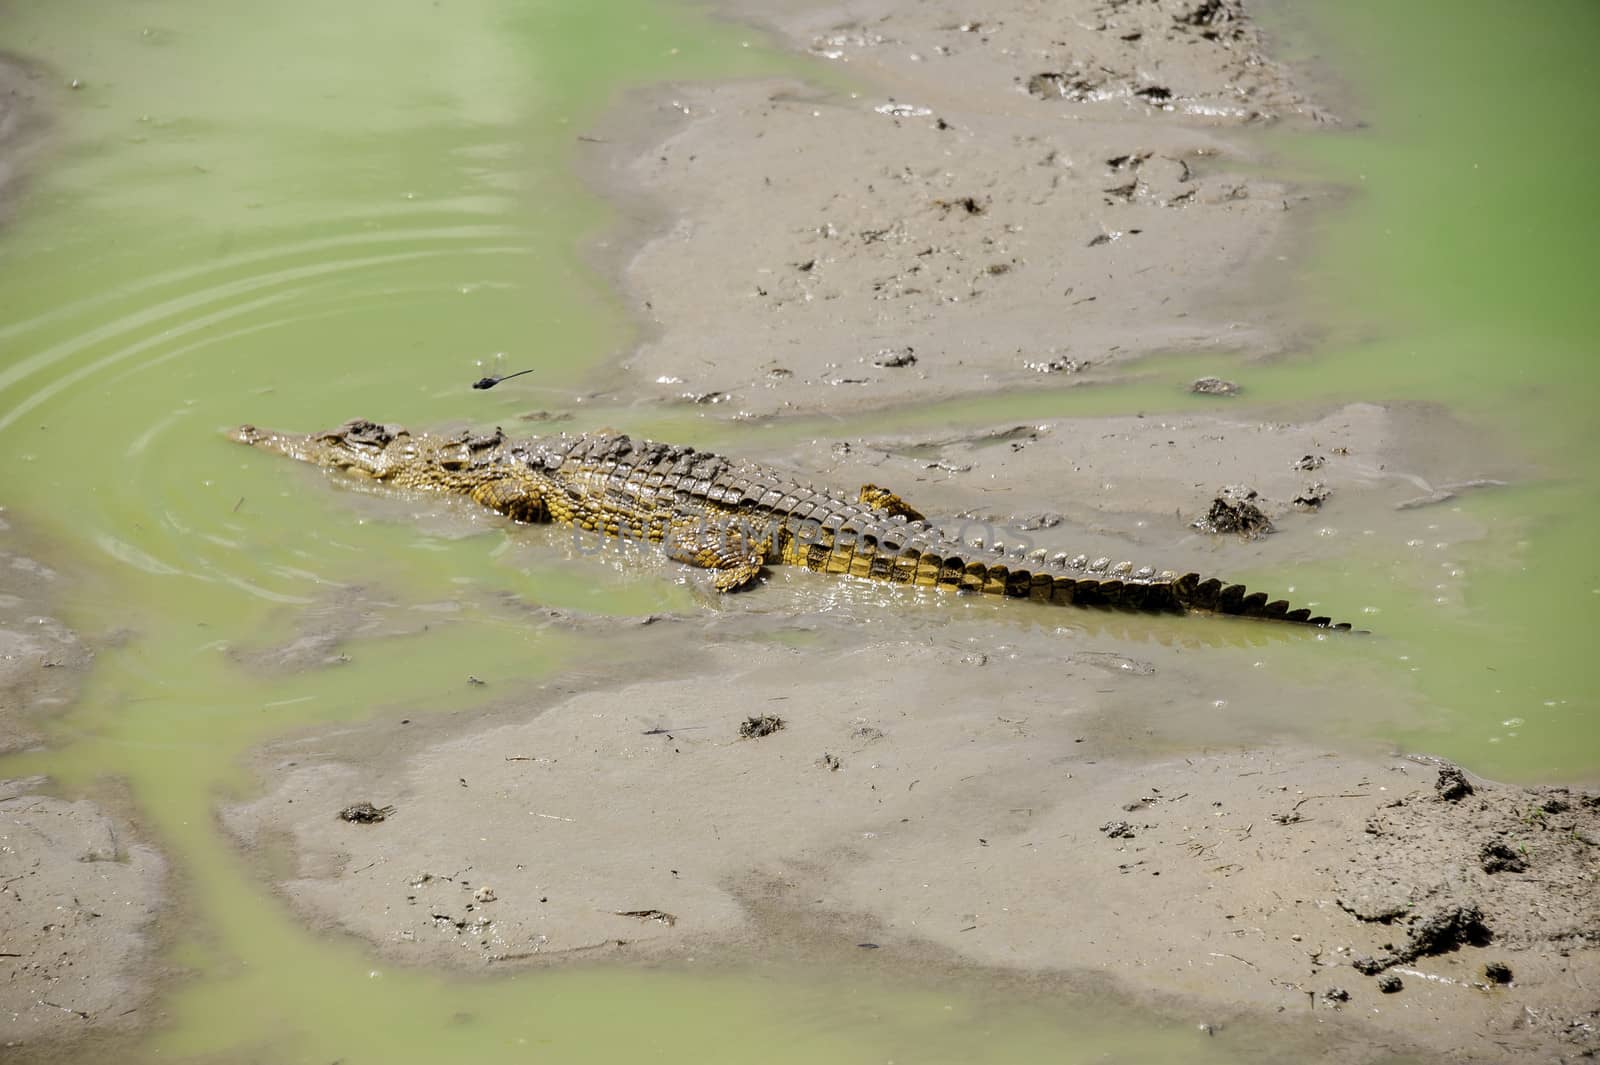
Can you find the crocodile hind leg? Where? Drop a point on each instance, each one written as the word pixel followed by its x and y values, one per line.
pixel 518 499
pixel 734 555
pixel 882 499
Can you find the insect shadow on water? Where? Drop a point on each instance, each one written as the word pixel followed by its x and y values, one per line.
pixel 492 380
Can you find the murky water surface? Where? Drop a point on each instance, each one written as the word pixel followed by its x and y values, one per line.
pixel 297 213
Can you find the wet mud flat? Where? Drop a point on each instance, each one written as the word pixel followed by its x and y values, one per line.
pixel 1013 195
pixel 23 125
pixel 926 802
pixel 80 891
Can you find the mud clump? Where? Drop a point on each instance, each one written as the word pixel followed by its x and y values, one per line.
pixel 1497 972
pixel 1497 857
pixel 1312 498
pixel 364 813
pixel 1213 386
pixel 1452 784
pixel 894 359
pixel 1215 19
pixel 1447 930
pixel 1389 983
pixel 1442 931
pixel 1117 830
pixel 1062 85
pixel 1234 510
pixel 753 728
pixel 1441 863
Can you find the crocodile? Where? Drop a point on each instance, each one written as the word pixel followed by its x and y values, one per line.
pixel 735 518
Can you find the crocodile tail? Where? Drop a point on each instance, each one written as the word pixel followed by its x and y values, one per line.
pixel 1080 582
pixel 1218 597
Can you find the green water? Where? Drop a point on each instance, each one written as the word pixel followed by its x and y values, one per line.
pixel 290 215
pixel 1467 247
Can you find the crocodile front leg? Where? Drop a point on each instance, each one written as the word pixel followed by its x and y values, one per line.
pixel 881 499
pixel 734 556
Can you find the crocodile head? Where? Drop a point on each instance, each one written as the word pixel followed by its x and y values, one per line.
pixel 459 462
pixel 363 448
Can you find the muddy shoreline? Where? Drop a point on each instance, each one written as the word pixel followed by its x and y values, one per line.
pixel 80 892
pixel 1021 197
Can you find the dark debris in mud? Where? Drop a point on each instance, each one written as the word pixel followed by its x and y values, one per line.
pixel 1234 510
pixel 755 727
pixel 1059 85
pixel 658 916
pixel 364 813
pixel 1057 364
pixel 1214 19
pixel 1442 931
pixel 1313 497
pixel 1498 857
pixel 894 358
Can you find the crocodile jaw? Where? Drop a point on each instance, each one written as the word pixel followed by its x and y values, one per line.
pixel 319 449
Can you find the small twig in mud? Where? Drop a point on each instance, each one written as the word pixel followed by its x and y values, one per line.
pixel 659 916
pixel 1235 957
pixel 64 1009
pixel 569 950
pixel 1341 795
